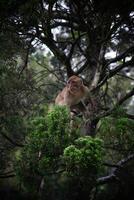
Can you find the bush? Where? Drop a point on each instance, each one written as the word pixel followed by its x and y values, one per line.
pixel 53 151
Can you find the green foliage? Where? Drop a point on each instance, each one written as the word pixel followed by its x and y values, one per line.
pixel 14 126
pixel 54 152
pixel 45 143
pixel 118 132
pixel 40 65
pixel 118 112
pixel 84 157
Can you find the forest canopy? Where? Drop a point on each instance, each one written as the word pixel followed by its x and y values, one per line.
pixel 42 44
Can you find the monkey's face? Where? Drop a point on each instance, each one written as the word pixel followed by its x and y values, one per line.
pixel 74 84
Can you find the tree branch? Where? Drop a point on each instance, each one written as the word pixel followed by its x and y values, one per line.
pixel 121 56
pixel 11 140
pixel 112 177
pixel 120 67
pixel 113 72
pixel 7 176
pixel 128 95
pixel 26 56
pixel 25 62
pixel 6 173
pixel 129 116
pixel 125 76
pixel 59 54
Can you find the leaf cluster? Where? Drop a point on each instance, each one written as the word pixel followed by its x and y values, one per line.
pixel 84 157
pixel 117 133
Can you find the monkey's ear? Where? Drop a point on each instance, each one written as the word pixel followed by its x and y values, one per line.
pixel 82 81
pixel 68 81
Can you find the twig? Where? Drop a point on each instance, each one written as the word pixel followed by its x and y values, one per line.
pixel 113 72
pixel 121 56
pixel 121 101
pixel 125 76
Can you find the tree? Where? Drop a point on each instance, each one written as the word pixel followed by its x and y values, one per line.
pixel 81 35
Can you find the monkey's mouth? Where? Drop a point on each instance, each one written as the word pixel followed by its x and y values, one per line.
pixel 75 88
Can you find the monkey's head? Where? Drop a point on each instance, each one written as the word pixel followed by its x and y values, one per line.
pixel 74 83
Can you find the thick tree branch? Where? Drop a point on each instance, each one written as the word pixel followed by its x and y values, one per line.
pixel 76 42
pixel 129 116
pixel 25 62
pixel 6 173
pixel 51 44
pixel 26 56
pixel 128 95
pixel 112 177
pixel 7 176
pixel 84 66
pixel 59 54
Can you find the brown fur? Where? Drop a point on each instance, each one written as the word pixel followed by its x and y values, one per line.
pixel 72 93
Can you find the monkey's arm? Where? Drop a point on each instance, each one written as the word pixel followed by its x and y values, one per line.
pixel 87 99
pixel 60 98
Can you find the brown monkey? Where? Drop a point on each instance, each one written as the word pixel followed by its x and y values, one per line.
pixel 73 92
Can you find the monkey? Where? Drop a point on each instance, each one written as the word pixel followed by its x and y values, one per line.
pixel 73 96
pixel 74 92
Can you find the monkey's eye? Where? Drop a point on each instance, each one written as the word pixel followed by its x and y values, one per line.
pixel 72 81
